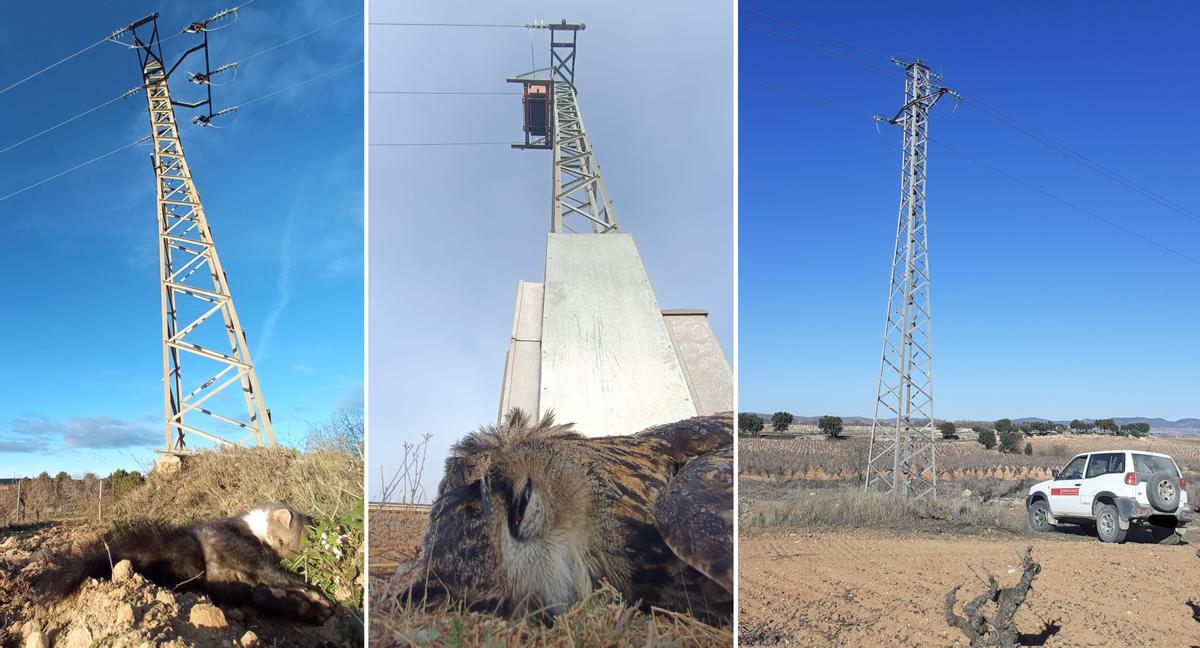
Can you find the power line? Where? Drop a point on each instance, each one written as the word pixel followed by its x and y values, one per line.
pixel 442 144
pixel 867 64
pixel 817 33
pixel 439 92
pixel 1011 122
pixel 1068 203
pixel 54 65
pixel 118 150
pixel 74 168
pixel 293 40
pixel 1066 151
pixel 68 121
pixel 827 104
pixel 1110 223
pixel 294 85
pixel 415 24
pixel 135 90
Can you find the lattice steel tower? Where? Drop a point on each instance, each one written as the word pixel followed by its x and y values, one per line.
pixel 901 457
pixel 200 328
pixel 553 121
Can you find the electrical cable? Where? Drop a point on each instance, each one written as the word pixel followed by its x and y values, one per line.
pixel 441 144
pixel 995 169
pixel 872 66
pixel 414 24
pixel 439 92
pixel 294 85
pixel 828 104
pixel 1080 158
pixel 817 33
pixel 1011 122
pixel 68 121
pixel 1067 203
pixel 76 167
pixel 53 65
pixel 293 40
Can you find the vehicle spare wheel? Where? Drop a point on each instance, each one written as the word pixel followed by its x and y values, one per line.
pixel 1162 490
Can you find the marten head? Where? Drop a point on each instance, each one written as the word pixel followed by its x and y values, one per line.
pixel 277 526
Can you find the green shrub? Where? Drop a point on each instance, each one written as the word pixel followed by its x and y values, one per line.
pixel 1010 440
pixel 331 556
pixel 831 426
pixel 750 424
pixel 986 437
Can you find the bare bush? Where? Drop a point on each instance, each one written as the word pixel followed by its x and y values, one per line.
pixel 406 483
pixel 988 629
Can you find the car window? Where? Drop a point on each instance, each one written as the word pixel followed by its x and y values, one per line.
pixel 1149 464
pixel 1074 470
pixel 1106 463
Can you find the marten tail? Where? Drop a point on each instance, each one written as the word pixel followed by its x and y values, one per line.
pixel 165 555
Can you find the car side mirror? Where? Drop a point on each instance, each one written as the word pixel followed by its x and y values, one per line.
pixel 1055 472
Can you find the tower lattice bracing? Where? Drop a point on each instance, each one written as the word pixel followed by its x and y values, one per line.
pixel 206 358
pixel 579 202
pixel 579 192
pixel 902 453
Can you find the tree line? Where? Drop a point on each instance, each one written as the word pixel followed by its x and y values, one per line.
pixel 45 496
pixel 1002 433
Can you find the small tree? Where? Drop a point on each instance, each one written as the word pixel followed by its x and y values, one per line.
pixel 780 421
pixel 1010 440
pixel 1078 426
pixel 1139 430
pixel 948 430
pixel 1003 425
pixel 986 437
pixel 831 426
pixel 1106 425
pixel 750 424
pixel 1028 449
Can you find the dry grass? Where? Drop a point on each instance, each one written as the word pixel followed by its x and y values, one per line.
pixel 323 483
pixel 600 620
pixel 840 508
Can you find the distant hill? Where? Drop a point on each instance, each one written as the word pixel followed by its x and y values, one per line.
pixel 1158 426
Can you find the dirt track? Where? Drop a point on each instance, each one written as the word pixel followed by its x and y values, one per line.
pixel 873 588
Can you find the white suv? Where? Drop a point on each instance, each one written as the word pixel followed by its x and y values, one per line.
pixel 1115 489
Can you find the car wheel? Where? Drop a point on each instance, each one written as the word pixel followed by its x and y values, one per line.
pixel 1039 517
pixel 1162 489
pixel 1108 524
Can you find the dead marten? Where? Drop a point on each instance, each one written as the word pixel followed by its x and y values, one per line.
pixel 234 560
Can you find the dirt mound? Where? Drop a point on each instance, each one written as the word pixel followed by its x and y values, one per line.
pixel 128 610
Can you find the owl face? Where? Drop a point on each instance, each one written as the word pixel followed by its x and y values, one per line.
pixel 537 508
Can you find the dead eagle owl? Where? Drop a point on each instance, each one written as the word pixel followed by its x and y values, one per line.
pixel 535 516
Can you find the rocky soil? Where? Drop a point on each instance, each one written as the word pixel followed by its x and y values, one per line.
pixel 879 588
pixel 128 610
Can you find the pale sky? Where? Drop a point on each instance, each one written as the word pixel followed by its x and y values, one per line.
pixel 454 228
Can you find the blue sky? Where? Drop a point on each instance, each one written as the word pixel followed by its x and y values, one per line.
pixel 282 187
pixel 453 229
pixel 1039 310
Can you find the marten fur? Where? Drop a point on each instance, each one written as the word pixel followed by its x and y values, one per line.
pixel 236 561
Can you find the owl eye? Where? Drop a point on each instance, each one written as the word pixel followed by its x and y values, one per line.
pixel 523 501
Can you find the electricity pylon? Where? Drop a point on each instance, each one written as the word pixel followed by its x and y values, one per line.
pixel 200 325
pixel 901 458
pixel 579 194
